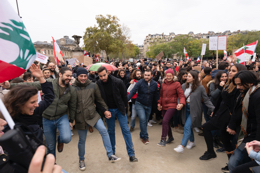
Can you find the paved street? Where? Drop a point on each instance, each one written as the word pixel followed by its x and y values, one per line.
pixel 152 158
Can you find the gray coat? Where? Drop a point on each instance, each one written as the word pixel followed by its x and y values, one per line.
pixel 196 105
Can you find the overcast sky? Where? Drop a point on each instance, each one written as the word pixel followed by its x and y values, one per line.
pixel 57 18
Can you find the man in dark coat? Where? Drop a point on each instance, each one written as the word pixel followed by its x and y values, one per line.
pixel 113 91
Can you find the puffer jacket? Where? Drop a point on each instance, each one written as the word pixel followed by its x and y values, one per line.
pixel 87 94
pixel 170 92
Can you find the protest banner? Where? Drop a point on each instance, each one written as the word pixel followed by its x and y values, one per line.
pixel 159 56
pixel 41 58
pixel 218 43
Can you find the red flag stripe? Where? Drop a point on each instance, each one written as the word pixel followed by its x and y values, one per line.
pixel 9 71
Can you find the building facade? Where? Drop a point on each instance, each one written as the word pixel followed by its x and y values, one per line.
pixel 162 38
pixel 66 45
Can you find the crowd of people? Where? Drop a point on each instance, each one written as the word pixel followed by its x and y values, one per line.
pixel 221 103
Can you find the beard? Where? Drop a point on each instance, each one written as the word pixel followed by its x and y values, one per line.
pixel 64 82
pixel 137 78
pixel 52 70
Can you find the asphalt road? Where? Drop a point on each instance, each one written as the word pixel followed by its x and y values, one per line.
pixel 152 158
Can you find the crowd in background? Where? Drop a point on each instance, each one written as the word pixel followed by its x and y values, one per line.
pixel 221 104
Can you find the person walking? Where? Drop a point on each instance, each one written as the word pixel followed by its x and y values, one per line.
pixel 170 91
pixel 88 95
pixel 113 92
pixel 147 92
pixel 192 113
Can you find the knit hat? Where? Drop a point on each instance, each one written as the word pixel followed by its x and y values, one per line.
pixel 169 71
pixel 81 71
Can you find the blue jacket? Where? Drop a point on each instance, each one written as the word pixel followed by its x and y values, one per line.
pixel 146 94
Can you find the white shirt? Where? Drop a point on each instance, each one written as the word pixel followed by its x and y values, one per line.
pixel 187 93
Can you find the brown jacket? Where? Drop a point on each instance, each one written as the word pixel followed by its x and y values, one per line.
pixel 205 81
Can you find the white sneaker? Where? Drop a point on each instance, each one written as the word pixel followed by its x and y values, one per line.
pixel 72 133
pixel 179 149
pixel 196 129
pixel 152 122
pixel 190 145
pixel 149 124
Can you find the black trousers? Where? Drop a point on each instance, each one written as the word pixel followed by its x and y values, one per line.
pixel 245 167
pixel 225 136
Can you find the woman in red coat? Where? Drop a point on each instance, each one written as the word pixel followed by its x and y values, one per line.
pixel 170 92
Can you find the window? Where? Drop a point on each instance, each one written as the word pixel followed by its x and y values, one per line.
pixel 48 52
pixel 52 52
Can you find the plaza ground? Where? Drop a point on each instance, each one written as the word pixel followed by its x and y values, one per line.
pixel 152 158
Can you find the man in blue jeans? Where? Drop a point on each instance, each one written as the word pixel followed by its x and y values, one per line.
pixel 147 90
pixel 55 116
pixel 113 91
pixel 88 95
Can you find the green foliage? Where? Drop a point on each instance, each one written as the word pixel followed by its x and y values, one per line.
pixel 110 36
pixel 194 46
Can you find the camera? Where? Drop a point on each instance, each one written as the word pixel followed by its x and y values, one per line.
pixel 19 146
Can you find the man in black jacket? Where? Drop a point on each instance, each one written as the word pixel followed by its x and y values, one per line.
pixel 113 91
pixel 247 83
pixel 92 76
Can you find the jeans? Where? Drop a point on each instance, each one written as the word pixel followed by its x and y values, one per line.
pixel 239 157
pixel 188 132
pixel 105 137
pixel 122 119
pixel 144 114
pixel 245 167
pixel 49 130
pixel 133 117
pixel 166 127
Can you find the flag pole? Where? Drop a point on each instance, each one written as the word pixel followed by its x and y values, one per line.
pixel 217 56
pixel 18 8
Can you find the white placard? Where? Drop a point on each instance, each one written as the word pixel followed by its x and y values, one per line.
pixel 213 43
pixel 203 50
pixel 41 58
pixel 72 62
pixel 222 43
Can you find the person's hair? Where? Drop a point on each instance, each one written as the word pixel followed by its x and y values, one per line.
pixel 217 78
pixel 179 76
pixel 17 80
pixel 207 70
pixel 223 65
pixel 148 70
pixel 230 84
pixel 15 99
pixel 246 77
pixel 195 82
pixel 118 74
pixel 252 66
pixel 188 68
pixel 213 66
pixel 133 75
pixel 45 70
pixel 100 69
pixel 27 76
pixel 64 69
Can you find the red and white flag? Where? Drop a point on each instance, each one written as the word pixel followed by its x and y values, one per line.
pixel 244 53
pixel 185 53
pixel 17 52
pixel 225 55
pixel 57 52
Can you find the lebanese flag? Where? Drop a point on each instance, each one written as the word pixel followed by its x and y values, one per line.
pixel 85 53
pixel 244 53
pixel 17 52
pixel 185 53
pixel 57 52
pixel 225 55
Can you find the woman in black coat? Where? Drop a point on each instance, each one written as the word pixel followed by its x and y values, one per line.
pixel 221 116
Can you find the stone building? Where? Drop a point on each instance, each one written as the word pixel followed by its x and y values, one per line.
pixel 66 45
pixel 162 38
